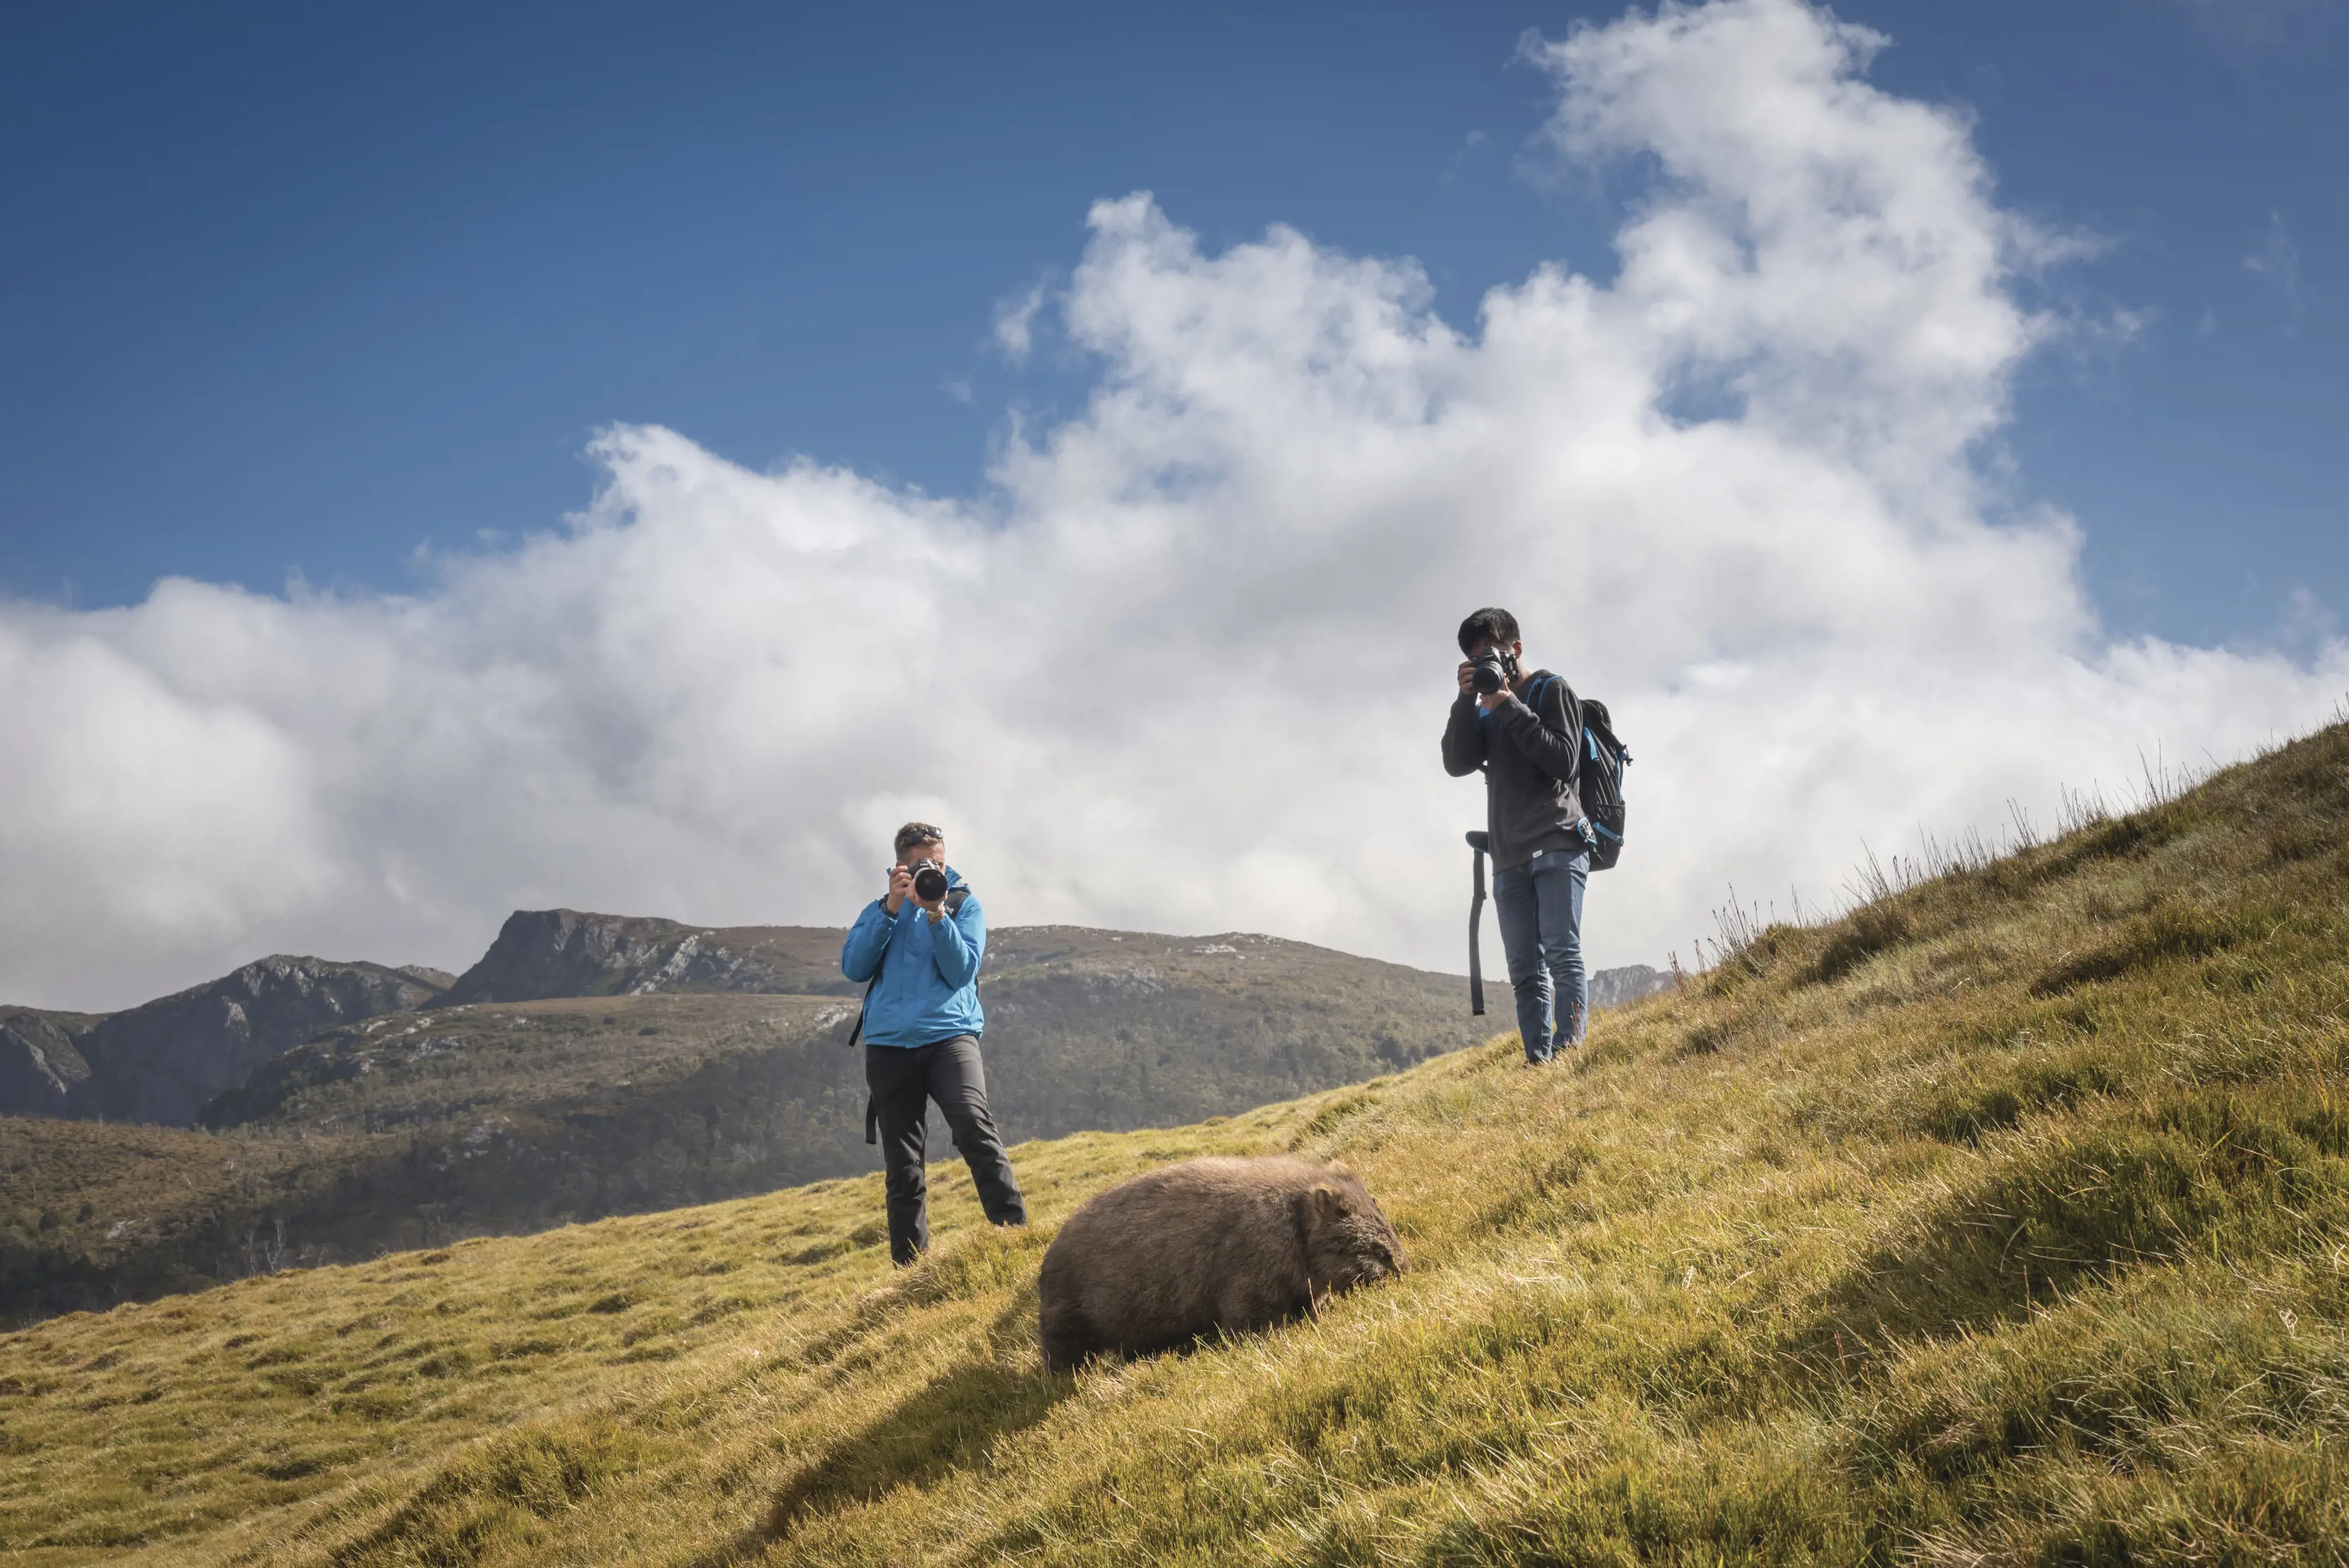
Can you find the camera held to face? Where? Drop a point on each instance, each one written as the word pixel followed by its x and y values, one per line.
pixel 1492 671
pixel 929 880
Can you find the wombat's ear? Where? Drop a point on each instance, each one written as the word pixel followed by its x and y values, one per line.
pixel 1329 1203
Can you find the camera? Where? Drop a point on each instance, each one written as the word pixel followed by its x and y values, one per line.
pixel 929 881
pixel 1492 671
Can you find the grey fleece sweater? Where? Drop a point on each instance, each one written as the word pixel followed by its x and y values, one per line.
pixel 1532 763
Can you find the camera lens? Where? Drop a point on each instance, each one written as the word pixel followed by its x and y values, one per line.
pixel 1489 676
pixel 929 882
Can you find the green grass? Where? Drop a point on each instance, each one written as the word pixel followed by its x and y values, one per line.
pixel 2006 1221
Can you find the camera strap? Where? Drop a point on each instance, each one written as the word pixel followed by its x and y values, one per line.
pixel 857 1033
pixel 871 1108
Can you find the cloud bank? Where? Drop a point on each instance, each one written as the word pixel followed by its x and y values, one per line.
pixel 1184 665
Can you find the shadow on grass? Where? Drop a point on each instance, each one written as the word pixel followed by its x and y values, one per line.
pixel 945 1426
pixel 2203 1171
pixel 948 1426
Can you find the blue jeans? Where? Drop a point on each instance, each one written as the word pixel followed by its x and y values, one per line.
pixel 1541 909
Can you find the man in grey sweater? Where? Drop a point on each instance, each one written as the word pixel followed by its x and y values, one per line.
pixel 1527 740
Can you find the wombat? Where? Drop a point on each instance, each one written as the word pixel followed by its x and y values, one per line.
pixel 1209 1244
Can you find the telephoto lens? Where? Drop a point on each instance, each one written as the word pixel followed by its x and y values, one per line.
pixel 929 883
pixel 1490 673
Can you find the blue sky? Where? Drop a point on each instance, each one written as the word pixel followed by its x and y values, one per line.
pixel 297 288
pixel 1775 377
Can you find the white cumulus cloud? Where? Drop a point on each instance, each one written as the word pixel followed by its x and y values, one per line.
pixel 1184 664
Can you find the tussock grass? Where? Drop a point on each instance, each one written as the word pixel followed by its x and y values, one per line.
pixel 2004 1221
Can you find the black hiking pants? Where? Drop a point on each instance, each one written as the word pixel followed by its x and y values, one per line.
pixel 948 1072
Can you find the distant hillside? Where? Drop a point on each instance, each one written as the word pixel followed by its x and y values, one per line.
pixel 1085 1029
pixel 677 1064
pixel 474 1119
pixel 92 1214
pixel 2002 1222
pixel 160 1062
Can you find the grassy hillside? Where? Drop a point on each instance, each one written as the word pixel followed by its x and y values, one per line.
pixel 2004 1221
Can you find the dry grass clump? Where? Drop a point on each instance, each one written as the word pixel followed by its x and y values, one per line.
pixel 2004 1221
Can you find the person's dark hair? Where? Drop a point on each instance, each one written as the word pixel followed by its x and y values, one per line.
pixel 914 833
pixel 1497 627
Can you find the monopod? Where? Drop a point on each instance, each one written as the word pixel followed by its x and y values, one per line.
pixel 1478 843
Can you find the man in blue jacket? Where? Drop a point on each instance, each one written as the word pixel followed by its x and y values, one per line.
pixel 922 1024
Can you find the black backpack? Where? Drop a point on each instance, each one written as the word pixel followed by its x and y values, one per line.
pixel 1603 758
pixel 1600 776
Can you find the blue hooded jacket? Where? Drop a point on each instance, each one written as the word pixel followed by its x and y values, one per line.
pixel 929 974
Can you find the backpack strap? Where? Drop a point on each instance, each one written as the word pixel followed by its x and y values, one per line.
pixel 857 1033
pixel 1542 681
pixel 1570 706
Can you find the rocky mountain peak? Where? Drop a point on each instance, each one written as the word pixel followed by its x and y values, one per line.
pixel 545 953
pixel 1615 987
pixel 39 1067
pixel 159 1062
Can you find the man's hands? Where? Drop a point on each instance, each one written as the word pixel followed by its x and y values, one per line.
pixel 1486 701
pixel 901 888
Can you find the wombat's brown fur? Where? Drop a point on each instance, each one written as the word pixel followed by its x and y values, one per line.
pixel 1209 1244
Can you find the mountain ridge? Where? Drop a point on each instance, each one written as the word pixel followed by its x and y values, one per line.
pixel 544 953
pixel 159 1060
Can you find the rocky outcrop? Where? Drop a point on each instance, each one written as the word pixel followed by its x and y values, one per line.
pixel 40 1066
pixel 546 953
pixel 1614 987
pixel 160 1062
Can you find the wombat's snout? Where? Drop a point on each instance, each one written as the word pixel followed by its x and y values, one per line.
pixel 1382 1258
pixel 1351 1244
